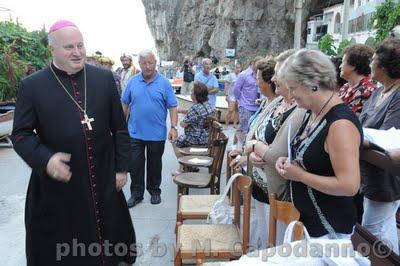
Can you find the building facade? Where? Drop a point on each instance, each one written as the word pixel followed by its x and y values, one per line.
pixel 331 21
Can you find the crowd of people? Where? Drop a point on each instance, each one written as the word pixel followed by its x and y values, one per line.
pixel 81 134
pixel 321 172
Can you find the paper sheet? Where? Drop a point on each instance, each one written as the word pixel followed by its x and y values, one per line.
pixel 199 161
pixel 289 150
pixel 386 139
pixel 198 149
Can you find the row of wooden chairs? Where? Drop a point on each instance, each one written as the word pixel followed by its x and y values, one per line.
pixel 199 206
pixel 214 159
pixel 189 179
pixel 211 159
pixel 187 235
pixel 200 241
pixel 206 158
pixel 217 241
pixel 213 129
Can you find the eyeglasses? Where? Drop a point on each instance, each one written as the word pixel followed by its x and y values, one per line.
pixel 147 63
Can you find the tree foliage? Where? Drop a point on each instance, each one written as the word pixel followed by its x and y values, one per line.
pixel 386 17
pixel 18 50
pixel 326 45
pixel 343 44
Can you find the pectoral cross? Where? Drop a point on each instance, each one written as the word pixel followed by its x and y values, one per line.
pixel 87 121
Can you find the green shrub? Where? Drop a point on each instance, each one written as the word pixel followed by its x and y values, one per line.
pixel 386 17
pixel 18 50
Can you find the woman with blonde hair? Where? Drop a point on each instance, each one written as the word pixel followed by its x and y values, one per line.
pixel 268 144
pixel 324 170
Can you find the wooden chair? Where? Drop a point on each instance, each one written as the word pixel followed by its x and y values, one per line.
pixel 197 206
pixel 211 180
pixel 218 114
pixel 228 168
pixel 205 160
pixel 214 129
pixel 370 246
pixel 381 160
pixel 217 241
pixel 286 212
pixel 398 218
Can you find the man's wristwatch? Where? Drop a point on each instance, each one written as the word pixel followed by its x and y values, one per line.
pixel 174 127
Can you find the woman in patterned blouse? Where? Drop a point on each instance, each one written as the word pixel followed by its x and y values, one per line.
pixel 193 123
pixel 355 70
pixel 380 188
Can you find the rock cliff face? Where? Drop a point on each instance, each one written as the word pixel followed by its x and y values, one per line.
pixel 207 27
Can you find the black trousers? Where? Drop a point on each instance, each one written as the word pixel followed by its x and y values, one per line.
pixel 154 151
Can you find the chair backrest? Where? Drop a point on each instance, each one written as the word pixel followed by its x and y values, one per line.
pixel 231 171
pixel 218 114
pixel 215 129
pixel 369 245
pixel 249 169
pixel 398 218
pixel 218 151
pixel 284 211
pixel 380 160
pixel 209 120
pixel 242 184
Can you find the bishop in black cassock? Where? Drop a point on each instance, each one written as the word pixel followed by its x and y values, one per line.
pixel 88 209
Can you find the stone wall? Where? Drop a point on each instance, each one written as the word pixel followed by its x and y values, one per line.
pixel 207 27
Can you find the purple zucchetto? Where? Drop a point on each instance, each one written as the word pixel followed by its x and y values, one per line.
pixel 61 24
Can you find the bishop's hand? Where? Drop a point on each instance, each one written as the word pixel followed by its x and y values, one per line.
pixel 120 180
pixel 58 168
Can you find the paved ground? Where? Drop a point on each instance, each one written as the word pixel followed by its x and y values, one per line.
pixel 154 224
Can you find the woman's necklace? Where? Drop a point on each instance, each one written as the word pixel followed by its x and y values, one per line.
pixel 283 107
pixel 386 92
pixel 311 124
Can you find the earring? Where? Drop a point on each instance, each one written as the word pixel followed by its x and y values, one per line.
pixel 314 88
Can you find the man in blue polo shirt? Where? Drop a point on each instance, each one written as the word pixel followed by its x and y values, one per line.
pixel 209 80
pixel 147 98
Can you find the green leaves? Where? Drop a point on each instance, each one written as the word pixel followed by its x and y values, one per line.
pixel 18 49
pixel 325 44
pixel 386 17
pixel 343 44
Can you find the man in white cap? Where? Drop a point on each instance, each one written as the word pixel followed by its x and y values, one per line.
pixel 69 127
pixel 127 71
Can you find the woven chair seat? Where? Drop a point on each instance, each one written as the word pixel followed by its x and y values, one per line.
pixel 193 179
pixel 192 151
pixel 197 204
pixel 190 160
pixel 223 237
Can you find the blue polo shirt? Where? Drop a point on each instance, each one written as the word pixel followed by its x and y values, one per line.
pixel 149 103
pixel 211 82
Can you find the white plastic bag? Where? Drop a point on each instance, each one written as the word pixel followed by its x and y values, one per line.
pixel 286 254
pixel 222 212
pixel 289 233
